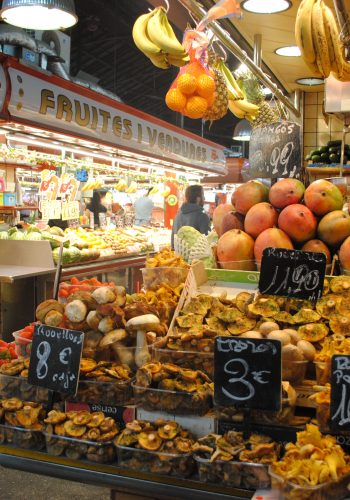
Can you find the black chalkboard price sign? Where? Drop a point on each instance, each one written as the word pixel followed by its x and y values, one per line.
pixel 292 273
pixel 55 359
pixel 340 393
pixel 247 373
pixel 275 150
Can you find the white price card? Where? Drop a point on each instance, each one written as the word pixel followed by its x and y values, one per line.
pixel 70 210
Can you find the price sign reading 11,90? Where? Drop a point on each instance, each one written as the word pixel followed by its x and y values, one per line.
pixel 292 273
pixel 55 359
pixel 247 373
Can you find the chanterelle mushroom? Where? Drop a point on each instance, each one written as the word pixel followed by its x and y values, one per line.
pixel 141 325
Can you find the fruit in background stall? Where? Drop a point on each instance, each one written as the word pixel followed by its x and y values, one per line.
pixel 344 254
pixel 260 217
pixel 232 220
pixel 322 197
pixel 235 250
pixel 298 222
pixel 248 194
pixel 175 100
pixel 218 108
pixel 286 192
pixel 4 235
pixel 196 107
pixel 334 228
pixel 317 246
pixel 187 84
pixel 218 215
pixel 33 236
pixel 273 237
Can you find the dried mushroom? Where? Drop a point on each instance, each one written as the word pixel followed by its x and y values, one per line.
pixel 340 324
pixel 12 404
pixel 326 306
pixel 195 307
pixel 243 299
pixel 229 315
pixel 313 332
pixel 306 315
pixel 340 284
pixel 241 325
pixel 55 417
pixel 14 368
pixel 96 419
pixel 169 430
pixel 284 317
pixel 87 365
pixel 189 320
pixel 81 418
pixel 264 307
pixel 149 440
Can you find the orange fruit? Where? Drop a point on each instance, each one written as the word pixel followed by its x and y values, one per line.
pixel 195 69
pixel 205 86
pixel 186 83
pixel 175 100
pixel 196 107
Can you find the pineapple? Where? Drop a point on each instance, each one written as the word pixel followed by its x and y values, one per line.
pixel 252 89
pixel 220 105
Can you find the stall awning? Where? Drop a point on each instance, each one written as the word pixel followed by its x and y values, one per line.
pixel 70 113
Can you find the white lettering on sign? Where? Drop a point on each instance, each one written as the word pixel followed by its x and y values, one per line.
pixel 342 413
pixel 301 277
pixel 242 373
pixel 43 353
pixel 236 345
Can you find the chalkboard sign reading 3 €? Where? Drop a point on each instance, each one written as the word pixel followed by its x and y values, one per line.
pixel 55 359
pixel 292 273
pixel 340 393
pixel 247 373
pixel 275 151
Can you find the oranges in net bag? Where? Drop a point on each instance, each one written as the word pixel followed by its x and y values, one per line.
pixel 192 92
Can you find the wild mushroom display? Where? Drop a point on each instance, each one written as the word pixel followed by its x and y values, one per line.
pixel 141 325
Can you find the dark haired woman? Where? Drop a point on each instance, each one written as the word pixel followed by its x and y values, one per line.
pixel 96 205
pixel 192 212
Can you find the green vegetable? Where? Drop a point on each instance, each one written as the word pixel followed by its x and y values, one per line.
pixel 212 237
pixel 33 229
pixel 69 255
pixel 34 236
pixel 307 157
pixel 334 150
pixel 316 159
pixel 334 158
pixel 325 157
pixel 12 230
pixel 209 262
pixel 4 235
pixel 189 234
pixel 323 149
pixel 18 235
pixel 314 152
pixel 334 143
pixel 56 231
pixel 55 241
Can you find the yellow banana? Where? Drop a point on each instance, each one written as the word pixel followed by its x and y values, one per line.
pixel 333 38
pixel 232 106
pixel 233 89
pixel 140 36
pixel 160 60
pixel 320 40
pixel 303 31
pixel 159 29
pixel 247 107
pixel 178 61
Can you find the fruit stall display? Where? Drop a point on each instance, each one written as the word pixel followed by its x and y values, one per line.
pixel 329 154
pixel 287 215
pixel 83 245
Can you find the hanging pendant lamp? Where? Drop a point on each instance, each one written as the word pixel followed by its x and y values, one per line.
pixel 39 14
pixel 266 6
pixel 242 131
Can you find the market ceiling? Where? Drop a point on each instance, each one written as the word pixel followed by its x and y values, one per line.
pixel 102 47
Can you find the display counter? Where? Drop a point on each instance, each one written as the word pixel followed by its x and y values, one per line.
pixel 114 477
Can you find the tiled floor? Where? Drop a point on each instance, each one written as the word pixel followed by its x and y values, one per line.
pixel 17 485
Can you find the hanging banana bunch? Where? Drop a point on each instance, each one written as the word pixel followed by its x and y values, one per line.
pixel 132 187
pixel 318 38
pixel 154 36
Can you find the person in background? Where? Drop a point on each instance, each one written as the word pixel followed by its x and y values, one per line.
pixel 143 209
pixel 96 205
pixel 192 213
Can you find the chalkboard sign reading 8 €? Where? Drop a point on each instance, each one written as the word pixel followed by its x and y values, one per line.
pixel 55 359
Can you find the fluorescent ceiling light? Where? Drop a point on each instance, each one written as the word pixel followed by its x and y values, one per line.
pixel 290 51
pixel 310 81
pixel 266 6
pixel 39 14
pixel 242 131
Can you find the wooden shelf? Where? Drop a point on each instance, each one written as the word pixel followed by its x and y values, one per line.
pixel 14 209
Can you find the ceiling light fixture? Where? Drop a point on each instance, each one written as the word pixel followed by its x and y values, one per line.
pixel 242 131
pixel 289 51
pixel 39 14
pixel 266 6
pixel 310 81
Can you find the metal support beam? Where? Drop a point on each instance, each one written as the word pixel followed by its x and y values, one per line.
pixel 344 22
pixel 257 50
pixel 224 37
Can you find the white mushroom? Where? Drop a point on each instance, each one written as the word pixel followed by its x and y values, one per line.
pixel 106 325
pixel 76 311
pixel 294 335
pixel 307 349
pixel 103 295
pixel 93 319
pixel 120 293
pixel 280 335
pixel 268 326
pixel 252 334
pixel 112 337
pixel 141 325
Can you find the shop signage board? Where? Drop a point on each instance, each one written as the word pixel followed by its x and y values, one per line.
pixel 292 273
pixel 247 373
pixel 55 104
pixel 55 359
pixel 70 210
pixel 275 151
pixel 340 393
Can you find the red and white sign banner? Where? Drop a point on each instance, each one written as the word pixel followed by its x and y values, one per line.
pixel 52 103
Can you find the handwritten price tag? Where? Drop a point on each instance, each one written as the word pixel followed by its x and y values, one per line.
pixel 292 273
pixel 55 359
pixel 340 393
pixel 70 210
pixel 247 373
pixel 275 150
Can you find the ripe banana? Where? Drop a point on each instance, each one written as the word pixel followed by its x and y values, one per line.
pixel 140 36
pixel 304 35
pixel 162 34
pixel 247 107
pixel 333 41
pixel 178 61
pixel 320 40
pixel 160 60
pixel 233 89
pixel 232 106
